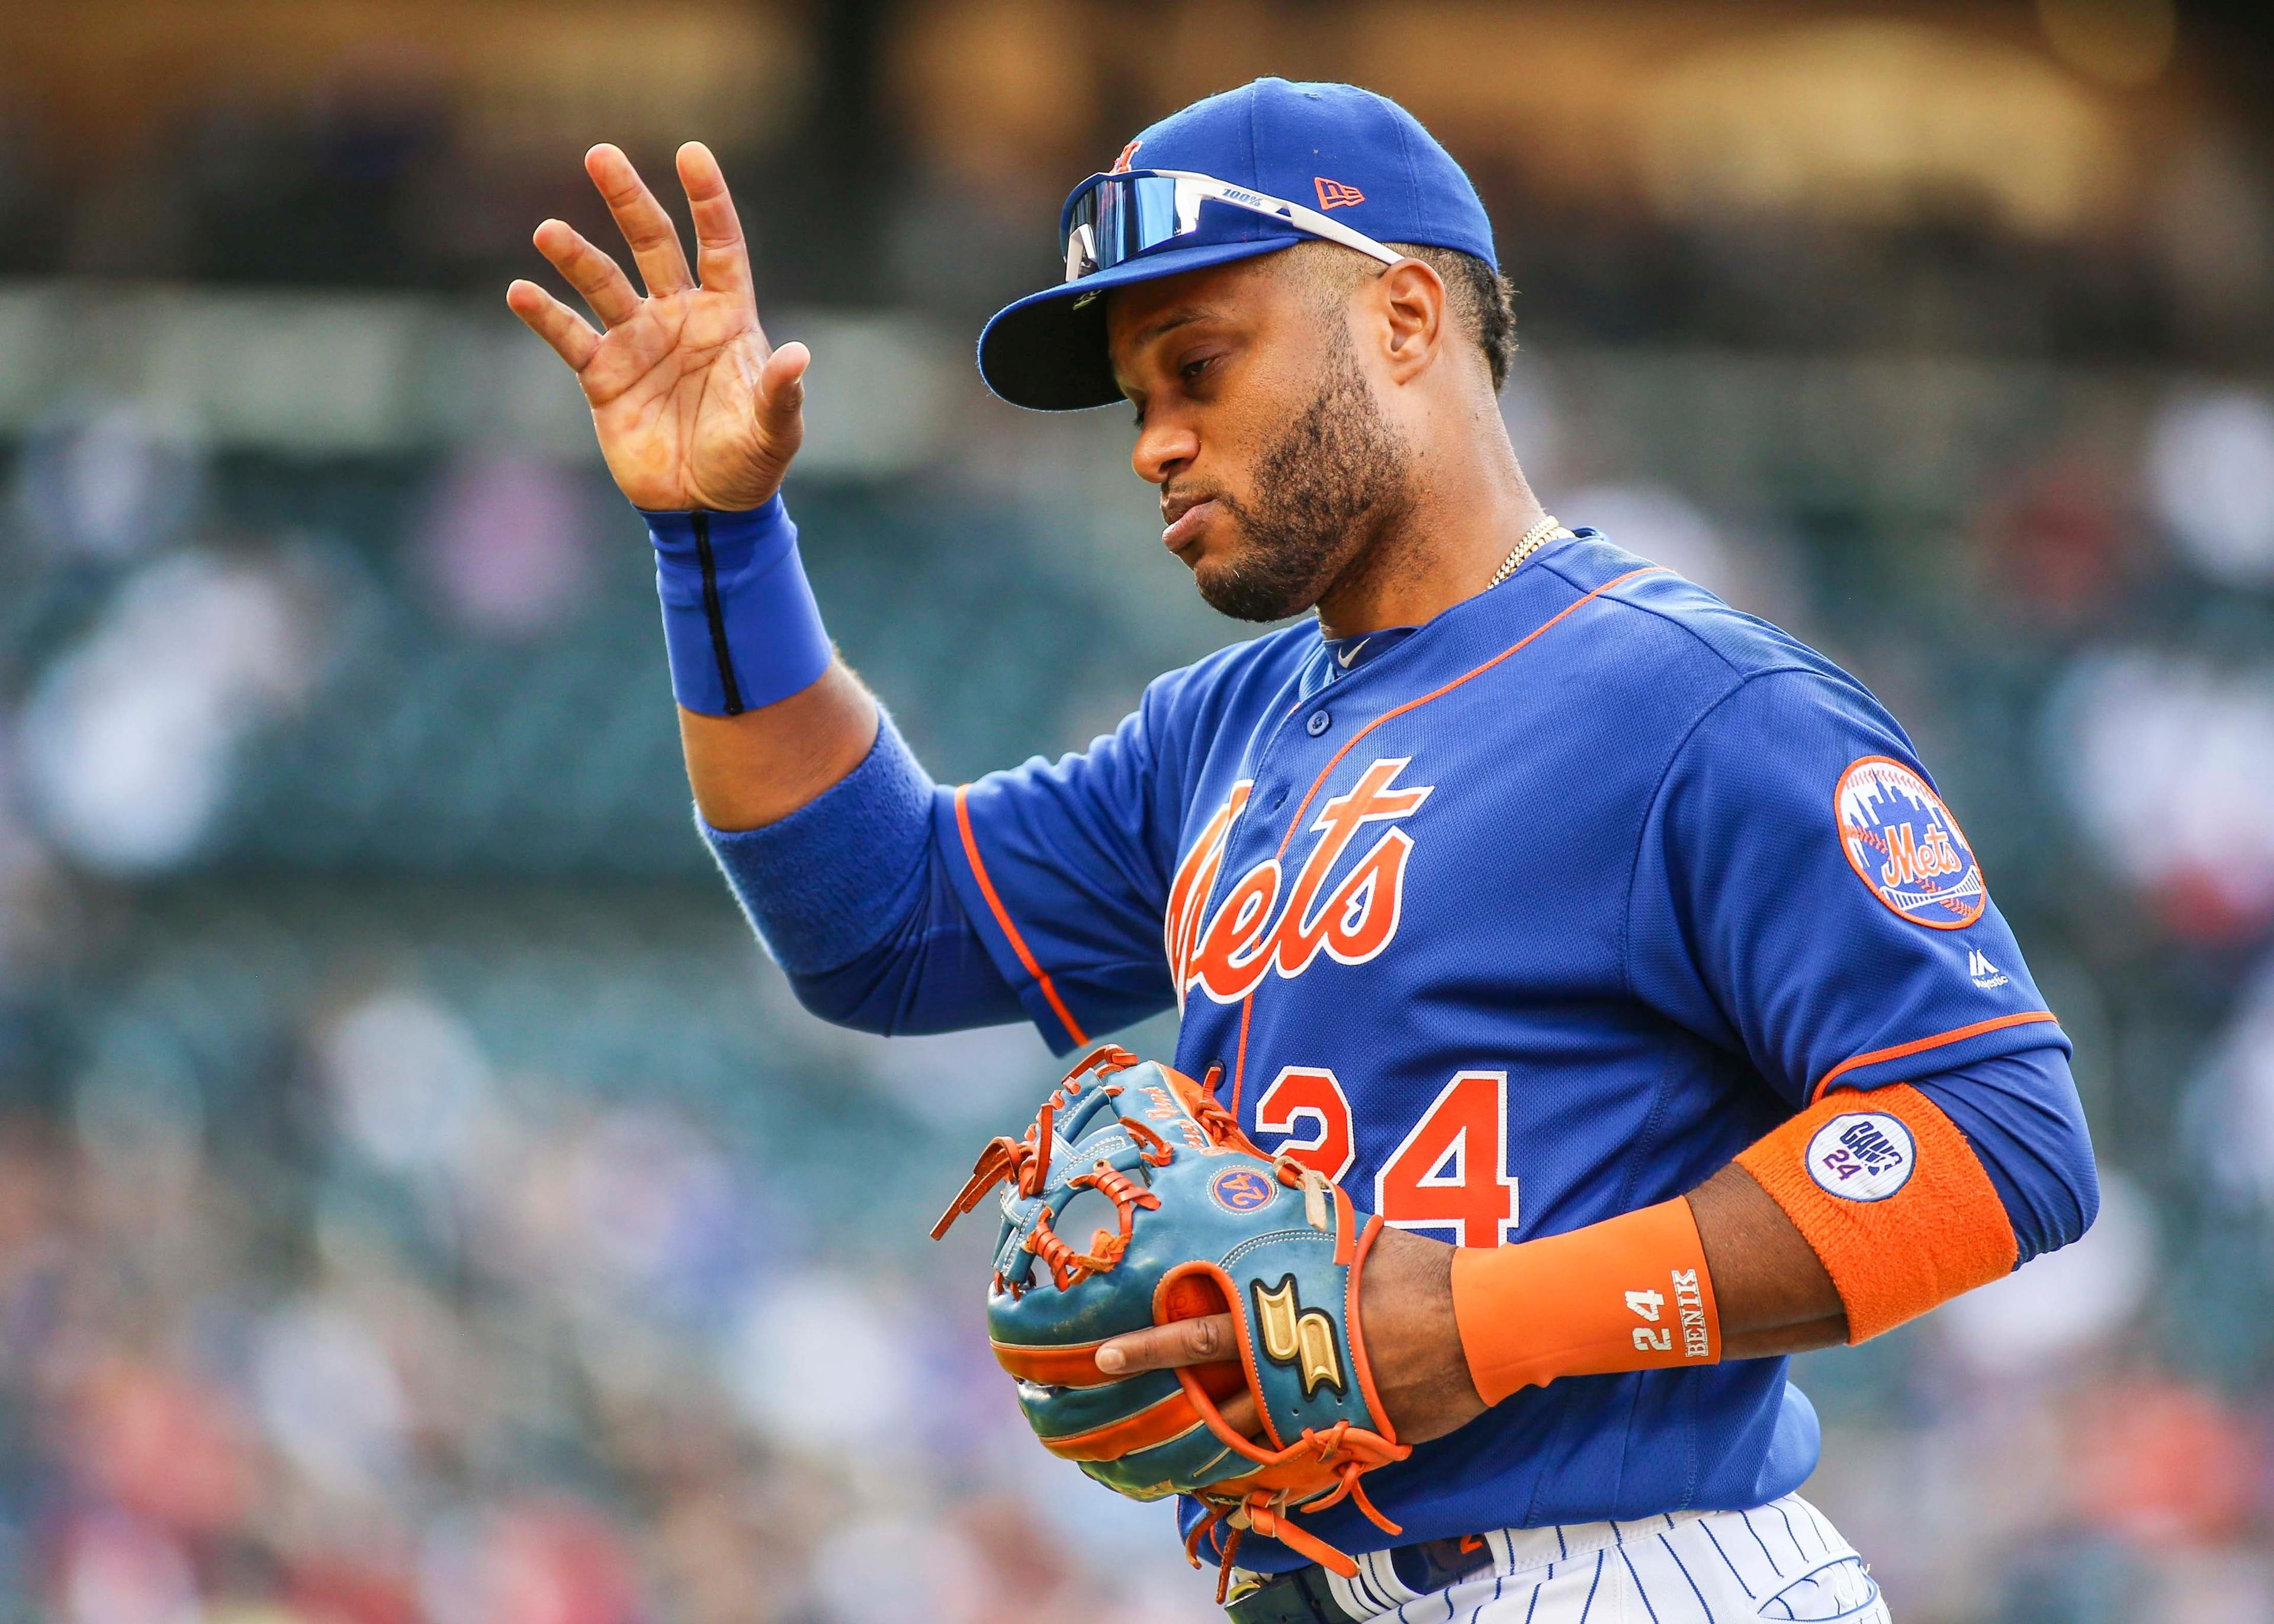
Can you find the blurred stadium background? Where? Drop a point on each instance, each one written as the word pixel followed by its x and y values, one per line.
pixel 420 1202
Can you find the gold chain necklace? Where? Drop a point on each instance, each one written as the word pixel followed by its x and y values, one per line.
pixel 1549 529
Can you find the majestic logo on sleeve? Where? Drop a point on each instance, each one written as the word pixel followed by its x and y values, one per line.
pixel 1904 844
pixel 1266 924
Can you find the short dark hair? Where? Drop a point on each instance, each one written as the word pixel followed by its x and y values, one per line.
pixel 1481 299
pixel 1483 302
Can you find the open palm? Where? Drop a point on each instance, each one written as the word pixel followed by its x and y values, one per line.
pixel 693 407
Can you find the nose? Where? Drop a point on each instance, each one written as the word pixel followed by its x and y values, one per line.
pixel 1164 448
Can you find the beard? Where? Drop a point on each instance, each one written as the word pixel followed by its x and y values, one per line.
pixel 1333 481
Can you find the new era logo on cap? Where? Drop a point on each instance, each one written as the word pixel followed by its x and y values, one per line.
pixel 1334 194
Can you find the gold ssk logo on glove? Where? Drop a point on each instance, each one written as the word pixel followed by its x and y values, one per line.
pixel 1302 1337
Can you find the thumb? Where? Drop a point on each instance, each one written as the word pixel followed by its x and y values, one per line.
pixel 781 386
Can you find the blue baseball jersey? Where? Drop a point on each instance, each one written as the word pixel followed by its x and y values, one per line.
pixel 1529 916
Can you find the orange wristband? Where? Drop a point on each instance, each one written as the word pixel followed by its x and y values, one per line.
pixel 1628 1293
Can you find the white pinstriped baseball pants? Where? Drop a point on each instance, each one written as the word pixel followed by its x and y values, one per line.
pixel 1782 1562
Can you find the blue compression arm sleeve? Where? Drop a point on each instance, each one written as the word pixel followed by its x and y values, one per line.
pixel 739 617
pixel 854 900
pixel 2022 1117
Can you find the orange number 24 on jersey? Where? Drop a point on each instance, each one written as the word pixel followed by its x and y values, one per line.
pixel 1449 1176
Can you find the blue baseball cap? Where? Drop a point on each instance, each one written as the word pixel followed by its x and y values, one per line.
pixel 1341 154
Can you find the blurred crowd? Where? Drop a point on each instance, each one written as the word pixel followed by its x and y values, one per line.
pixel 2014 178
pixel 496 1352
pixel 420 1202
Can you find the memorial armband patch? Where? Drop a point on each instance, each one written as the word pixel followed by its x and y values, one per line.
pixel 1893 1199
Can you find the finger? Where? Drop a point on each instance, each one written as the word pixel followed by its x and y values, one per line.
pixel 1203 1340
pixel 571 336
pixel 1240 1415
pixel 654 240
pixel 722 258
pixel 591 273
pixel 781 387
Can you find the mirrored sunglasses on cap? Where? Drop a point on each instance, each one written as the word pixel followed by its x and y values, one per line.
pixel 1112 219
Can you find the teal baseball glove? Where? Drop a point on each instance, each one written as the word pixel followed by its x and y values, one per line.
pixel 1204 1223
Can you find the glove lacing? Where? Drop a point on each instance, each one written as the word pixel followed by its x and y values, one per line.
pixel 1358 1450
pixel 1025 1164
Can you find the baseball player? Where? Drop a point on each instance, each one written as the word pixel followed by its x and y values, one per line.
pixel 1614 947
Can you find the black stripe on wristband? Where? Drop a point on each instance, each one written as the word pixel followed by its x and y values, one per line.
pixel 716 614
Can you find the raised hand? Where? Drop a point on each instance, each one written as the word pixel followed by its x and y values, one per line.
pixel 693 407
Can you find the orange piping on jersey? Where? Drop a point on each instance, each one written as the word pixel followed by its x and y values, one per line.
pixel 1239 1072
pixel 1956 1034
pixel 1239 1060
pixel 1351 743
pixel 1003 918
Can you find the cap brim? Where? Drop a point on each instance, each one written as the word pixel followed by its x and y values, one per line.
pixel 1047 351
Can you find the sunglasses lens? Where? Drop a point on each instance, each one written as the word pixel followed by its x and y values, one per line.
pixel 1127 214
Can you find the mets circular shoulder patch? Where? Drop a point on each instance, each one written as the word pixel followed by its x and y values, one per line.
pixel 1863 1156
pixel 1240 1189
pixel 1903 843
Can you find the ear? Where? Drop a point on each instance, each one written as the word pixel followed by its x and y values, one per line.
pixel 1411 300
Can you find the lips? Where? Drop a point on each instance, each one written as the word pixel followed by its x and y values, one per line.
pixel 1186 519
